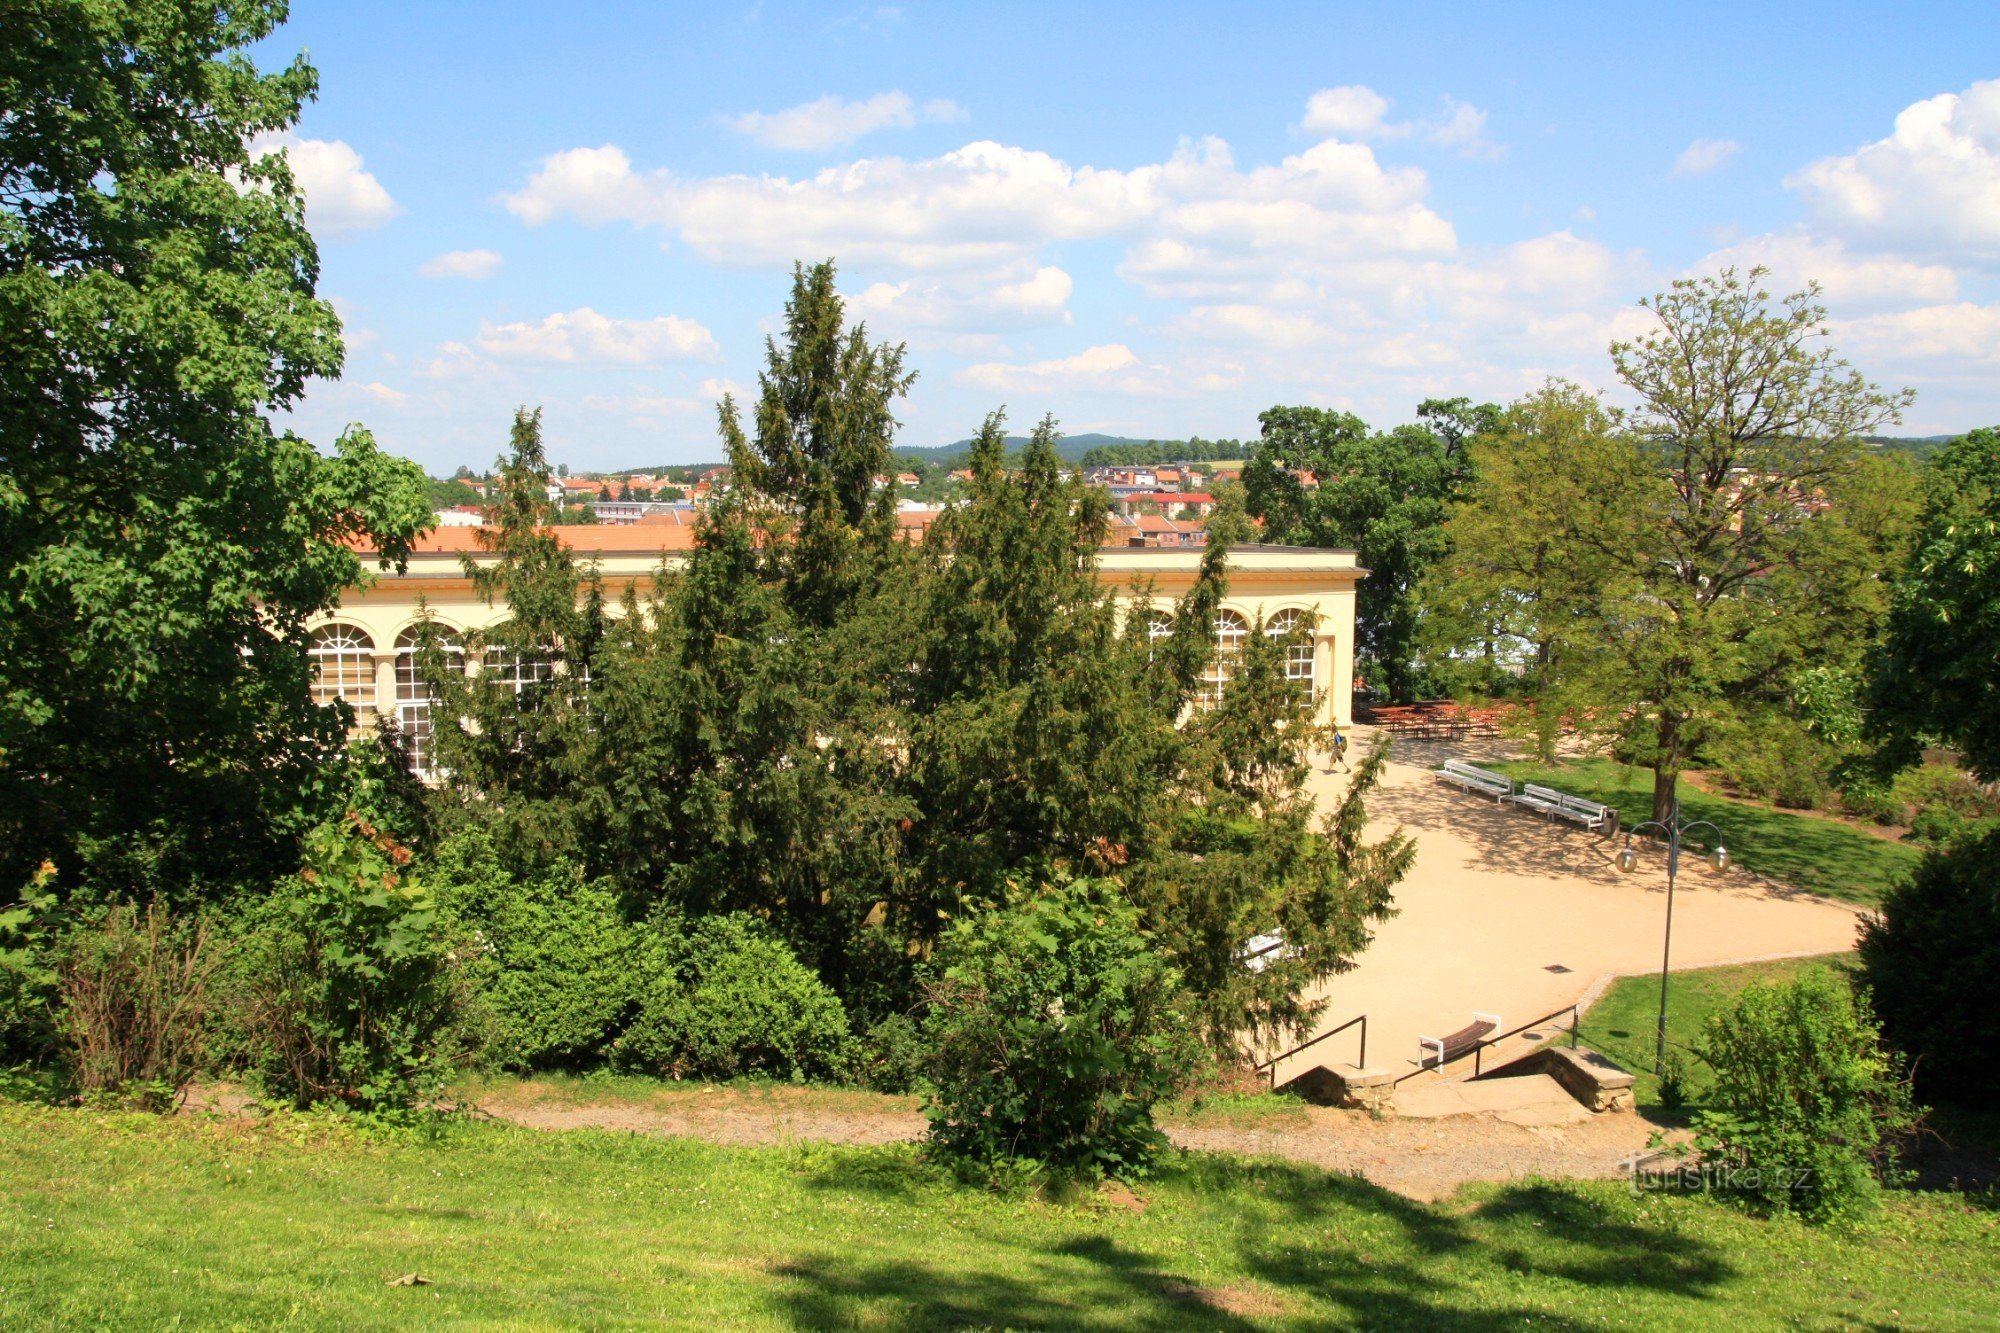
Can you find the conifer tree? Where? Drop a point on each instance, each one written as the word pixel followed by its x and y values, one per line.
pixel 514 731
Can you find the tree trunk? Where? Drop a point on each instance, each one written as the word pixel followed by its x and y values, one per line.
pixel 1666 774
pixel 1667 760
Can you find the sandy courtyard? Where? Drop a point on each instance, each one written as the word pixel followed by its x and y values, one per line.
pixel 1497 897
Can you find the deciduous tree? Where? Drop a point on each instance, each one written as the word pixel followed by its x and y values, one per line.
pixel 1751 417
pixel 161 545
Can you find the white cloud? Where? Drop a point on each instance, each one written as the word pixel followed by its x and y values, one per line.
pixel 1108 368
pixel 586 336
pixel 1933 185
pixel 342 198
pixel 1962 332
pixel 960 304
pixel 473 265
pixel 1462 128
pixel 1355 111
pixel 382 393
pixel 1705 155
pixel 830 122
pixel 978 206
pixel 1852 283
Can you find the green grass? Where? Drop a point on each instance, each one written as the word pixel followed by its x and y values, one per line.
pixel 1624 1020
pixel 132 1222
pixel 1822 856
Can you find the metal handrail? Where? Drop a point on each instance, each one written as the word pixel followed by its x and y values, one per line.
pixel 1271 1065
pixel 1479 1050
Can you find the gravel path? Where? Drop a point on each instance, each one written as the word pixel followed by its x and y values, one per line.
pixel 1421 1159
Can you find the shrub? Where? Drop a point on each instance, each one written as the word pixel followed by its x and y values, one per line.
pixel 1873 801
pixel 1806 1106
pixel 1054 1029
pixel 27 970
pixel 134 995
pixel 355 995
pixel 1932 960
pixel 1777 758
pixel 1945 787
pixel 724 997
pixel 556 963
pixel 893 1054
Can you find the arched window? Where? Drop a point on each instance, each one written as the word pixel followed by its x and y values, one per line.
pixel 414 700
pixel 343 660
pixel 518 670
pixel 1298 656
pixel 1231 630
pixel 1159 625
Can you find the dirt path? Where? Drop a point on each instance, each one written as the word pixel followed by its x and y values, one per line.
pixel 1421 1159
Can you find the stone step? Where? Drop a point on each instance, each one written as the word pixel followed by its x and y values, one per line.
pixel 1532 1099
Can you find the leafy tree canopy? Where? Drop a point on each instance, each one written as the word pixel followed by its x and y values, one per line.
pixel 161 546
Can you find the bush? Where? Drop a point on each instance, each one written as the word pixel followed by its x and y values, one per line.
pixel 1870 800
pixel 1778 759
pixel 1807 1105
pixel 27 970
pixel 1932 960
pixel 1944 787
pixel 893 1054
pixel 1054 1029
pixel 134 994
pixel 724 997
pixel 355 996
pixel 554 959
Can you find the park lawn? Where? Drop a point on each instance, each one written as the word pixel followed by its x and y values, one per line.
pixel 130 1221
pixel 1624 1020
pixel 1823 856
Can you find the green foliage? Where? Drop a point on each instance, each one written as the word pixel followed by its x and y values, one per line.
pixel 516 736
pixel 1771 755
pixel 723 997
pixel 556 964
pixel 849 737
pixel 450 494
pixel 354 994
pixel 1932 959
pixel 892 1055
pixel 1807 1107
pixel 1055 1028
pixel 1153 453
pixel 161 546
pixel 1383 495
pixel 1934 677
pixel 1746 417
pixel 135 998
pixel 1540 536
pixel 29 929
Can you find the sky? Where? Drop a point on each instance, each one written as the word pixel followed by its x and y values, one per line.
pixel 1147 220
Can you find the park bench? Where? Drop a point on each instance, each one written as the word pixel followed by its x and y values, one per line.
pixel 1473 778
pixel 1437 1052
pixel 1561 805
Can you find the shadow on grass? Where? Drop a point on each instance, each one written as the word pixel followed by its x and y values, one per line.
pixel 1252 1243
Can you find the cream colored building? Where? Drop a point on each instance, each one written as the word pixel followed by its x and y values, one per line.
pixel 365 651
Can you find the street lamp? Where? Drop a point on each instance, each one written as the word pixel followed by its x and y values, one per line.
pixel 1628 860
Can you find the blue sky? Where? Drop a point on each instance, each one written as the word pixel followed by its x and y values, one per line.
pixel 1147 220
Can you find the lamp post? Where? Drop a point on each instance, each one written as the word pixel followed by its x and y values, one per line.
pixel 1628 859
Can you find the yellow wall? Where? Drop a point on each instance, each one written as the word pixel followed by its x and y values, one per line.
pixel 1263 581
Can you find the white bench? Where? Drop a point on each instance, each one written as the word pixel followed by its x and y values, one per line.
pixel 1473 778
pixel 1561 805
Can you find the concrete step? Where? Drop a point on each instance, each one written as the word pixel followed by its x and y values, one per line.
pixel 1532 1099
